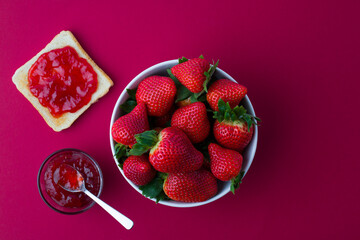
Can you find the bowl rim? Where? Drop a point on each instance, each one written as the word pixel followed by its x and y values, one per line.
pixel 173 203
pixel 92 202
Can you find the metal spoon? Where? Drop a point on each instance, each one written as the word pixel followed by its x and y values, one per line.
pixel 76 183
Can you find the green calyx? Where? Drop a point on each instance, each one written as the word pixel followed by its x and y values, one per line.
pixel 130 103
pixel 238 113
pixel 144 142
pixel 182 93
pixel 235 182
pixel 121 153
pixel 176 81
pixel 183 59
pixel 154 189
pixel 209 75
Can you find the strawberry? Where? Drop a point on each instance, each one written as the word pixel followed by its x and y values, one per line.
pixel 193 120
pixel 170 150
pixel 139 170
pixel 158 93
pixel 233 135
pixel 196 186
pixel 191 73
pixel 124 128
pixel 225 163
pixel 233 128
pixel 227 90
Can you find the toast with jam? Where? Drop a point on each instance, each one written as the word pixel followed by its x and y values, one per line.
pixel 61 81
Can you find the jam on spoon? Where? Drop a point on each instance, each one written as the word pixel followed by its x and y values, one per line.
pixel 72 180
pixel 69 178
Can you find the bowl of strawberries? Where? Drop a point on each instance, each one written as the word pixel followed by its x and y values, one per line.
pixel 184 133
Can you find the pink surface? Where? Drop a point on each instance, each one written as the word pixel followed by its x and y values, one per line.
pixel 300 62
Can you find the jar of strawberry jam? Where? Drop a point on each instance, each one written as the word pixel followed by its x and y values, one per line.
pixel 58 198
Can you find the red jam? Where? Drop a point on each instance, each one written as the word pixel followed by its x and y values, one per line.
pixel 55 172
pixel 68 178
pixel 62 81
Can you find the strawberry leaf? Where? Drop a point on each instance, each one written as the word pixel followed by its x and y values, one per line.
pixel 218 116
pixel 176 81
pixel 183 59
pixel 227 116
pixel 144 142
pixel 248 118
pixel 161 196
pixel 154 189
pixel 202 98
pixel 198 97
pixel 222 107
pixel 121 153
pixel 193 98
pixel 132 93
pixel 235 182
pixel 237 113
pixel 209 75
pixel 201 56
pixel 128 106
pixel 233 116
pixel 257 119
pixel 130 103
pixel 182 93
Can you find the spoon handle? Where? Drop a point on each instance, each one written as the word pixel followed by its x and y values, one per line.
pixel 123 220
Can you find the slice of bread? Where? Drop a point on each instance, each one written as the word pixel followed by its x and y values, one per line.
pixel 20 79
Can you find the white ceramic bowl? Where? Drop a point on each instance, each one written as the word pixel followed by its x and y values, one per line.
pixel 161 69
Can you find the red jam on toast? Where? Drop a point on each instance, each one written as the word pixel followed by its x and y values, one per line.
pixel 62 81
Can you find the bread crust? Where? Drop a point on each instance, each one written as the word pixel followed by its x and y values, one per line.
pixel 20 79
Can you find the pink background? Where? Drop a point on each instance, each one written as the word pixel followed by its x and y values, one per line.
pixel 300 62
